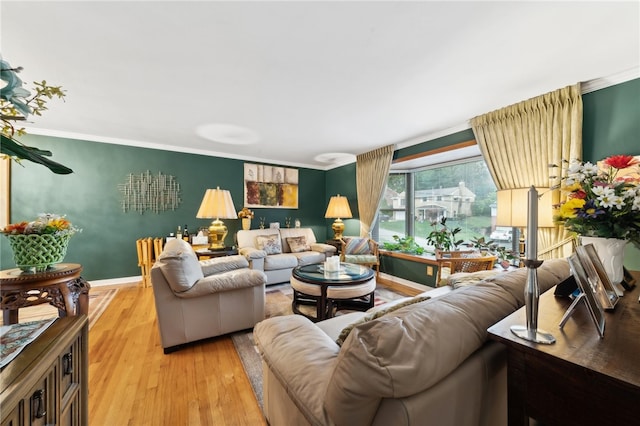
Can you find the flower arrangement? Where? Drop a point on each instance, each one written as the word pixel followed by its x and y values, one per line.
pixel 601 203
pixel 44 224
pixel 245 213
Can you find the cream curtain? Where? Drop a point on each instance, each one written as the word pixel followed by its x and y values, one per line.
pixel 520 141
pixel 372 170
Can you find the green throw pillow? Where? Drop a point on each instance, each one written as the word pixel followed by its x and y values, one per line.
pixel 377 314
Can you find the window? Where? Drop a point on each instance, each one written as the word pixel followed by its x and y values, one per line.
pixel 460 190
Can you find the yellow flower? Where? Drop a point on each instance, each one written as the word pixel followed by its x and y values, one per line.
pixel 573 188
pixel 568 209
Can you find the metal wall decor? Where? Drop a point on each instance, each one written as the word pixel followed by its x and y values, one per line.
pixel 147 192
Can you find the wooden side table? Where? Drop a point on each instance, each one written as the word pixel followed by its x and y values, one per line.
pixel 61 286
pixel 581 379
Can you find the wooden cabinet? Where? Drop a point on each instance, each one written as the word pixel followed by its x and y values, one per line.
pixel 47 383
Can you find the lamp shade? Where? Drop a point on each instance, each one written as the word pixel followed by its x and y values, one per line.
pixel 338 208
pixel 513 204
pixel 217 204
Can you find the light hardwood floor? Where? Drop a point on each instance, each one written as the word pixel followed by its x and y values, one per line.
pixel 132 382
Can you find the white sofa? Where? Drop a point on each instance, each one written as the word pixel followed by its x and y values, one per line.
pixel 275 262
pixel 427 363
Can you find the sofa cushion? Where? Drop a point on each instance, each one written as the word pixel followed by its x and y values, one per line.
pixel 298 244
pixel 179 265
pixel 377 314
pixel 309 257
pixel 227 281
pixel 280 261
pixel 269 243
pixel 355 245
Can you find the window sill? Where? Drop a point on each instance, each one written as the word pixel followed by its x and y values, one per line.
pixel 428 259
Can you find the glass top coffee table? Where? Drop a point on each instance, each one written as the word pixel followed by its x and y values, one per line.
pixel 312 285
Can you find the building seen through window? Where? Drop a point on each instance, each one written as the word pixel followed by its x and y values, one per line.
pixel 461 190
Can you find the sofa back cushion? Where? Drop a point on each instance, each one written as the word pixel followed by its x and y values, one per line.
pixel 179 265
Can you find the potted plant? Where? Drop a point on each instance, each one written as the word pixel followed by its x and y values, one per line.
pixel 40 243
pixel 443 238
pixel 482 245
pixel 404 245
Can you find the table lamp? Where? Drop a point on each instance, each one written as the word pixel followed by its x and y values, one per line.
pixel 217 204
pixel 512 210
pixel 338 208
pixel 527 207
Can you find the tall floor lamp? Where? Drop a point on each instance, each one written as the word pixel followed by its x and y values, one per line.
pixel 217 204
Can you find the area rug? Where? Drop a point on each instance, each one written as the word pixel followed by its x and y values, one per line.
pixel 278 303
pixel 99 299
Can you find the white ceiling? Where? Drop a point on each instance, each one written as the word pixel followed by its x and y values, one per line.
pixel 304 81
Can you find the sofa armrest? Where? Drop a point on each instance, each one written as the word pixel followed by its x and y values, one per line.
pixel 223 264
pixel 252 253
pixel 302 357
pixel 327 249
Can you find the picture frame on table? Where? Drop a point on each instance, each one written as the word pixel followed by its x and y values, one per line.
pixel 597 277
pixel 628 281
pixel 587 295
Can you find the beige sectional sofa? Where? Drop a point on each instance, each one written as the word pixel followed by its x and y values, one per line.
pixel 426 363
pixel 277 251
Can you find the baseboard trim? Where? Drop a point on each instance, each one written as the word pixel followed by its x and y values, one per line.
pixel 124 281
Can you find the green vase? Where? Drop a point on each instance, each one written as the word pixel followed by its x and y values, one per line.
pixel 38 252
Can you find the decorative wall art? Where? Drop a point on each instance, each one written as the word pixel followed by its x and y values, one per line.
pixel 270 186
pixel 147 192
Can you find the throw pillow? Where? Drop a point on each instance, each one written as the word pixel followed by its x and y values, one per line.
pixel 269 243
pixel 357 246
pixel 298 244
pixel 369 317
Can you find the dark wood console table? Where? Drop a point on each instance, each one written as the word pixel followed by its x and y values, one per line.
pixel 61 286
pixel 581 379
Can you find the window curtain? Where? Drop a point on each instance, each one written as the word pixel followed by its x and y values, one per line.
pixel 520 141
pixel 372 171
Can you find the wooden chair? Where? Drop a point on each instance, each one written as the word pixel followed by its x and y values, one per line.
pixel 451 262
pixel 144 247
pixel 361 251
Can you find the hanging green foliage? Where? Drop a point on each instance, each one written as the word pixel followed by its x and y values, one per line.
pixel 16 104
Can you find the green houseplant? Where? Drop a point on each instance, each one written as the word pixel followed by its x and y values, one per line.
pixel 404 245
pixel 442 237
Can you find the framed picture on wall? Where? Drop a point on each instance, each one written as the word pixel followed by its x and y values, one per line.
pixel 270 186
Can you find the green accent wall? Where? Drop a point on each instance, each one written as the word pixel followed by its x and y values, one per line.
pixel 91 199
pixel 611 126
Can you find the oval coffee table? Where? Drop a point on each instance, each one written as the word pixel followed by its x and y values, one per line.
pixel 353 286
